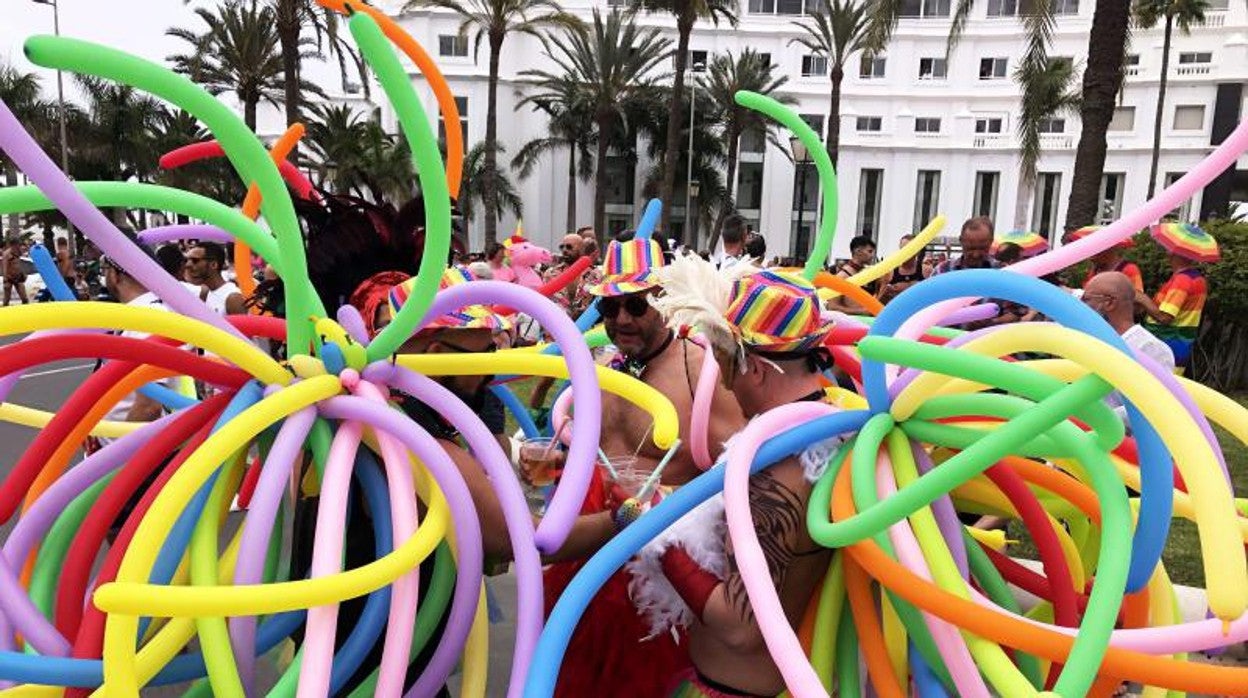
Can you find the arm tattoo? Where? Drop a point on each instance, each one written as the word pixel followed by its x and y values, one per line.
pixel 778 517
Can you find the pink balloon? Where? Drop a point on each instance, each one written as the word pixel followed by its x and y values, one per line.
pixel 699 420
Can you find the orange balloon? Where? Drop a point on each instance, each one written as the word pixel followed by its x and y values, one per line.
pixel 855 293
pixel 251 208
pixel 870 634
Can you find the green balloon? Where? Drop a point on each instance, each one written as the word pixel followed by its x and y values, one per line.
pixel 430 171
pixel 214 635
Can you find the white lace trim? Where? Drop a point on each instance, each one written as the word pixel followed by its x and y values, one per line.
pixel 701 532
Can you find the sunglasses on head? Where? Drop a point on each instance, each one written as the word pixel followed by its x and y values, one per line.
pixel 636 306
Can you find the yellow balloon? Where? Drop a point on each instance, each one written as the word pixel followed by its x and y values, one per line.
pixel 897 258
pixel 666 423
pixel 38 419
pixel 1216 517
pixel 476 652
pixel 78 315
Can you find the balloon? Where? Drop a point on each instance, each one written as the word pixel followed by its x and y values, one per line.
pixel 649 219
pixel 194 152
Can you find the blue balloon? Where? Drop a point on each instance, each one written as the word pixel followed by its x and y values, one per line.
pixel 517 409
pixel 1156 473
pixel 572 603
pixel 926 685
pixel 649 219
pixel 52 279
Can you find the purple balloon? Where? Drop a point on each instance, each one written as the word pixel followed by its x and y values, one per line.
pixel 187 231
pixel 566 503
pixel 463 517
pixel 946 516
pixel 351 320
pixel 258 528
pixel 485 447
pixel 31 160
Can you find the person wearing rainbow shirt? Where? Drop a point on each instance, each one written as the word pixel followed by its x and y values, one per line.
pixel 767 331
pixel 1174 313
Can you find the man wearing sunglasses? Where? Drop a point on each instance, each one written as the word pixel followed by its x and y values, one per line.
pixel 613 639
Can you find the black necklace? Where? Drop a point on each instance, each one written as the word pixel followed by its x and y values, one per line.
pixel 635 366
pixel 815 396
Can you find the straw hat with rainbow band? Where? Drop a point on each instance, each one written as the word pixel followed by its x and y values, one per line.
pixel 471 317
pixel 629 267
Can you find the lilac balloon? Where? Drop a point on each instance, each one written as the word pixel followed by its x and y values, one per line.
pixel 463 517
pixel 485 447
pixel 258 528
pixel 186 231
pixel 351 320
pixel 946 516
pixel 15 605
pixel 566 503
pixel 31 160
pixel 971 313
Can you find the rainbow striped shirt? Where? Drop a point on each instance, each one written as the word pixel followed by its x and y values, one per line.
pixel 1182 296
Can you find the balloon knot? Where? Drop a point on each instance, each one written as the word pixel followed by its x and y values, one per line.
pixel 350 378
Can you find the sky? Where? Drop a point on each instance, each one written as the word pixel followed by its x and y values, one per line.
pixel 136 26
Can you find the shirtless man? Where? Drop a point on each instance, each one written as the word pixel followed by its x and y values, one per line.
pixel 768 340
pixel 65 263
pixel 11 269
pixel 613 640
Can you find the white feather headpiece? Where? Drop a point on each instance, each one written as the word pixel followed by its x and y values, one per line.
pixel 696 294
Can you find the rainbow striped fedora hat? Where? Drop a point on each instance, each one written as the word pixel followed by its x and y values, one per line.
pixel 777 312
pixel 628 268
pixel 470 317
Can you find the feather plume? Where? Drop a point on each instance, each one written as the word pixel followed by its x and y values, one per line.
pixel 696 294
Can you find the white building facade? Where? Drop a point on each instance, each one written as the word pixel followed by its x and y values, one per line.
pixel 921 134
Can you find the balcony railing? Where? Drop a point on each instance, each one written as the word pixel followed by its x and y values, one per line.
pixel 1213 18
pixel 1131 71
pixel 1200 69
pixel 991 142
pixel 1057 142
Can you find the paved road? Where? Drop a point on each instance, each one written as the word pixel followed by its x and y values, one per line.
pixel 47 386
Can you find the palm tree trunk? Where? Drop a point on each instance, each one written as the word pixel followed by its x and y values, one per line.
pixel 489 190
pixel 734 146
pixel 288 27
pixel 1101 79
pixel 1161 106
pixel 603 122
pixel 674 117
pixel 249 112
pixel 833 142
pixel 570 223
pixel 1022 200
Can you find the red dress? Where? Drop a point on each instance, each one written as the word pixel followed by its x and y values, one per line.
pixel 608 655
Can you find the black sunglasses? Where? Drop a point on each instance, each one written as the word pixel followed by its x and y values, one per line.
pixel 635 305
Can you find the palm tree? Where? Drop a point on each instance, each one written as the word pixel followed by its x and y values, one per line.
pixel 354 154
pixel 836 33
pixel 726 76
pixel 1102 78
pixel 119 137
pixel 613 64
pixel 238 53
pixel 22 94
pixel 292 17
pixel 472 190
pixel 567 116
pixel 1183 13
pixel 1046 92
pixel 687 13
pixel 492 21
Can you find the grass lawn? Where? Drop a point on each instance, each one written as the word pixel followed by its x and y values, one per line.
pixel 1182 554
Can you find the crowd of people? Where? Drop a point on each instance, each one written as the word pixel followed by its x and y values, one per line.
pixel 680 609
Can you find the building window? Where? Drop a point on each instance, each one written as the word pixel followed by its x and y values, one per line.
pixel 872 67
pixel 452 45
pixel 986 186
pixel 873 124
pixel 1184 210
pixel 1051 124
pixel 694 58
pixel 924 8
pixel 807 176
pixel 1124 119
pixel 814 121
pixel 461 105
pixel 619 177
pixel 618 224
pixel 783 7
pixel 1044 212
pixel 764 59
pixel 926 197
pixel 1112 184
pixel 1014 8
pixel 870 192
pixel 1132 59
pixel 988 125
pixel 753 141
pixel 927 124
pixel 993 68
pixel 1218 5
pixel 932 69
pixel 1189 117
pixel 1195 57
pixel 813 65
pixel 750 185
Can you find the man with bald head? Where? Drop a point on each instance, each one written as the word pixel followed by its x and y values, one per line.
pixel 1112 295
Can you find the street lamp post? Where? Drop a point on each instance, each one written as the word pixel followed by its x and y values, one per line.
pixel 801 158
pixel 60 99
pixel 695 188
pixel 693 100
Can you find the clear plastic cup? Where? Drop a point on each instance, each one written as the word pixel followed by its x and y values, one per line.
pixel 540 464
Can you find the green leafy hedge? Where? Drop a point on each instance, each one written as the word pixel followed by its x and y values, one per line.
pixel 1220 358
